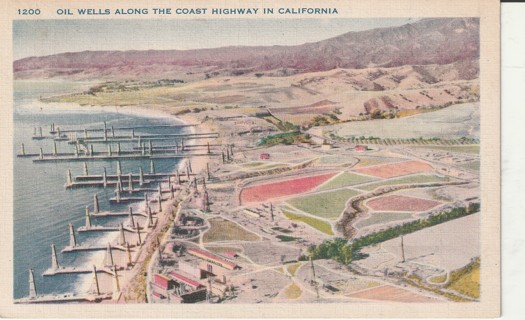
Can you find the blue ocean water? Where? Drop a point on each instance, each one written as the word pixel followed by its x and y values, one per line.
pixel 42 206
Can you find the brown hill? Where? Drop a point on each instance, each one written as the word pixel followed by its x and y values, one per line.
pixel 429 41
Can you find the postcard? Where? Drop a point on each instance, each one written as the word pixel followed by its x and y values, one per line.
pixel 250 159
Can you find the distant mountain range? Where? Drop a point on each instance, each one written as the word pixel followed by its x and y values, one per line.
pixel 432 41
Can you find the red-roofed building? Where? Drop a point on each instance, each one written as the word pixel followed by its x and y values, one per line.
pixel 361 148
pixel 162 281
pixel 185 280
pixel 230 254
pixel 264 156
pixel 217 260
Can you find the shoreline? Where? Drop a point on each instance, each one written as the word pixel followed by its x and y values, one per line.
pixel 143 258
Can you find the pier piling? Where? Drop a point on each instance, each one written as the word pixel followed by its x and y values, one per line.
pixel 41 154
pixel 23 150
pixel 86 169
pixel 119 169
pixel 150 218
pixel 55 152
pixel 130 262
pixel 138 235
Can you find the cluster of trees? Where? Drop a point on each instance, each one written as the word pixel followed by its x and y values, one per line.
pixel 337 249
pixel 343 250
pixel 287 138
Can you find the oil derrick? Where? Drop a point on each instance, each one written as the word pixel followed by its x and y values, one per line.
pixel 118 148
pixel 130 262
pixel 150 218
pixel 119 169
pixel 189 165
pixel 209 150
pixel 109 150
pixel 91 152
pixel 141 176
pixel 96 208
pixel 182 144
pixel 178 176
pixel 85 133
pixel 117 196
pixel 160 197
pixel 152 167
pixel 95 281
pixel 122 238
pixel 76 150
pixel 150 147
pixel 112 132
pixel 23 150
pixel 108 259
pixel 105 132
pixel 195 184
pixel 138 235
pixel 208 170
pixel 54 259
pixel 105 178
pixel 271 211
pixel 146 202
pixel 313 281
pixel 188 173
pixel 206 201
pixel 222 153
pixel 116 286
pixel 86 169
pixel 88 218
pixel 32 286
pixel 55 148
pixel 130 183
pixel 69 178
pixel 131 220
pixel 72 237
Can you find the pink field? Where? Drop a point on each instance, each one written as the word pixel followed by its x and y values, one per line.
pixel 397 169
pixel 401 203
pixel 390 293
pixel 263 192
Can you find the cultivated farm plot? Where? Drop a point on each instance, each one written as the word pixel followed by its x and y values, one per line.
pixel 320 225
pixel 226 230
pixel 325 205
pixel 265 191
pixel 404 180
pixel 401 203
pixel 343 180
pixel 391 293
pixel 383 218
pixel 398 169
pixel 372 161
pixel 473 149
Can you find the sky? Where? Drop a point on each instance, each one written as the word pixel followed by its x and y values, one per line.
pixel 47 37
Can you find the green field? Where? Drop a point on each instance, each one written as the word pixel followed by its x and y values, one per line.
pixel 325 205
pixel 345 179
pixel 225 230
pixel 335 160
pixel 474 165
pixel 320 225
pixel 367 162
pixel 405 180
pixel 383 217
